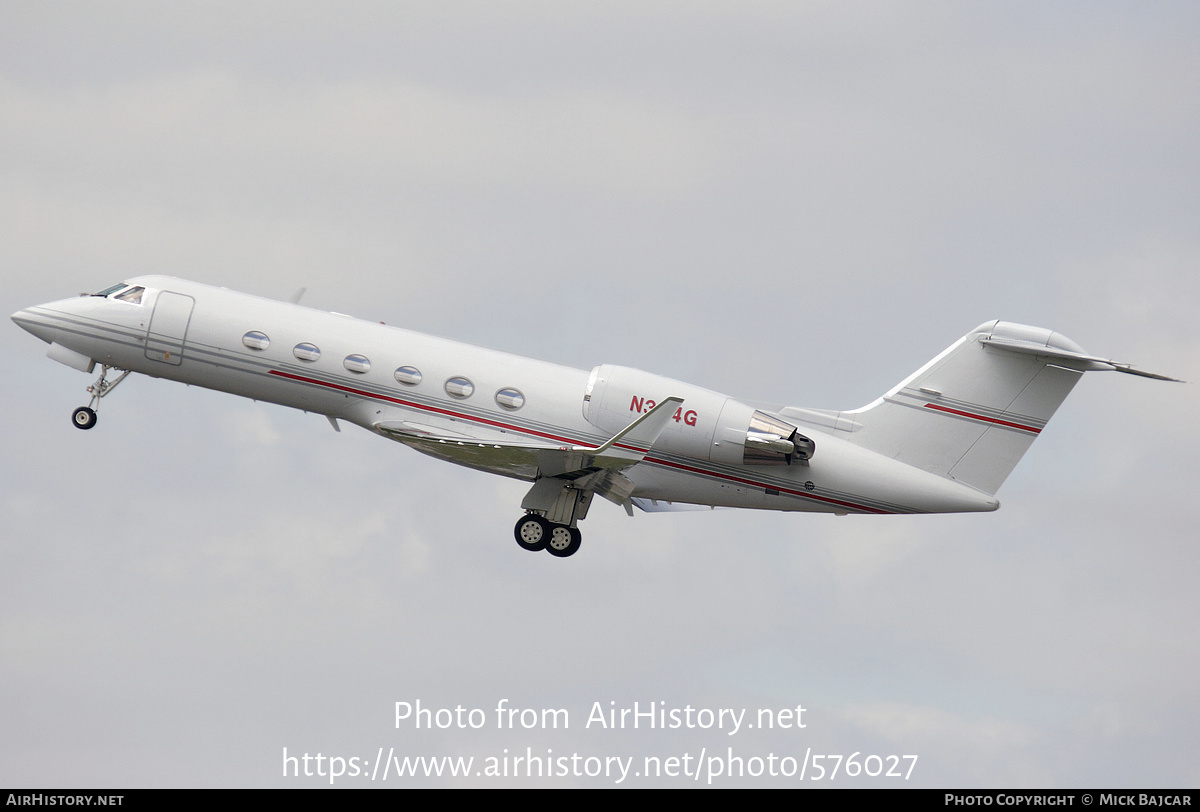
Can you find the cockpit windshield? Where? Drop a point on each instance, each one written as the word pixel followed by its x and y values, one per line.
pixel 133 295
pixel 123 292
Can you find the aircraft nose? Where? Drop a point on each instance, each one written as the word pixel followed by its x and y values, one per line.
pixel 29 321
pixel 22 318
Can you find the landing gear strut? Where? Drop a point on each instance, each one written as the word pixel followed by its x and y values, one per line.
pixel 536 533
pixel 85 416
pixel 554 507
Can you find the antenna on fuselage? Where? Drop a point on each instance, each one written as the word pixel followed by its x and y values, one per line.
pixel 296 296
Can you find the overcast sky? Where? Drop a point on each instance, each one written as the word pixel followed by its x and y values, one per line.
pixel 790 202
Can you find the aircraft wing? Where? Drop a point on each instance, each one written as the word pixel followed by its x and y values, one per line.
pixel 533 460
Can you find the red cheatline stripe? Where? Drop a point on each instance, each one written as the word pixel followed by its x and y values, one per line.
pixel 1011 425
pixel 460 415
pixel 422 407
pixel 752 483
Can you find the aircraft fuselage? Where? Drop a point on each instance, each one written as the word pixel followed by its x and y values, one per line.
pixel 938 442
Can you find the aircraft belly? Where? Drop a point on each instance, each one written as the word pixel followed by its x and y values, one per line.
pixel 843 479
pixel 672 485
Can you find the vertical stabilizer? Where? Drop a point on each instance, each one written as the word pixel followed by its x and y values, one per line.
pixel 972 412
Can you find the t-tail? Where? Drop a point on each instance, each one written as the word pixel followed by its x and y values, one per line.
pixel 971 413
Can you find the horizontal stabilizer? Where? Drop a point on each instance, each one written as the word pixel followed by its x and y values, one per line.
pixel 1095 363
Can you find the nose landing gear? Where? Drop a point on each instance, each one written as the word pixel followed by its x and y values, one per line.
pixel 85 416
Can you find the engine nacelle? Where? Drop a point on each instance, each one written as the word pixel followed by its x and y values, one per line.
pixel 771 441
pixel 747 436
pixel 616 395
pixel 708 424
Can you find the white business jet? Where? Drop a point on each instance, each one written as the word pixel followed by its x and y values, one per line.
pixel 942 441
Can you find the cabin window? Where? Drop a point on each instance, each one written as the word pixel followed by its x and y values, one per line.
pixel 510 398
pixel 306 352
pixel 357 363
pixel 256 340
pixel 459 387
pixel 408 375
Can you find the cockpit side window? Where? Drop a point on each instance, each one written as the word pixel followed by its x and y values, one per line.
pixel 113 289
pixel 133 295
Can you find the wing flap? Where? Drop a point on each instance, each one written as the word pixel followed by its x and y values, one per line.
pixel 533 460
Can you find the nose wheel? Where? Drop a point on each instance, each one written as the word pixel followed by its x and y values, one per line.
pixel 535 533
pixel 85 416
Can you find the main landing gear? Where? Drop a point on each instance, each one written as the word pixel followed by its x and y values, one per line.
pixel 85 416
pixel 535 533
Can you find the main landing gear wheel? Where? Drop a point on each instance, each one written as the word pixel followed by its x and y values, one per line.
pixel 532 532
pixel 564 541
pixel 83 418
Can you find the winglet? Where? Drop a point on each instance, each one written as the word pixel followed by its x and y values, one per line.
pixel 643 431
